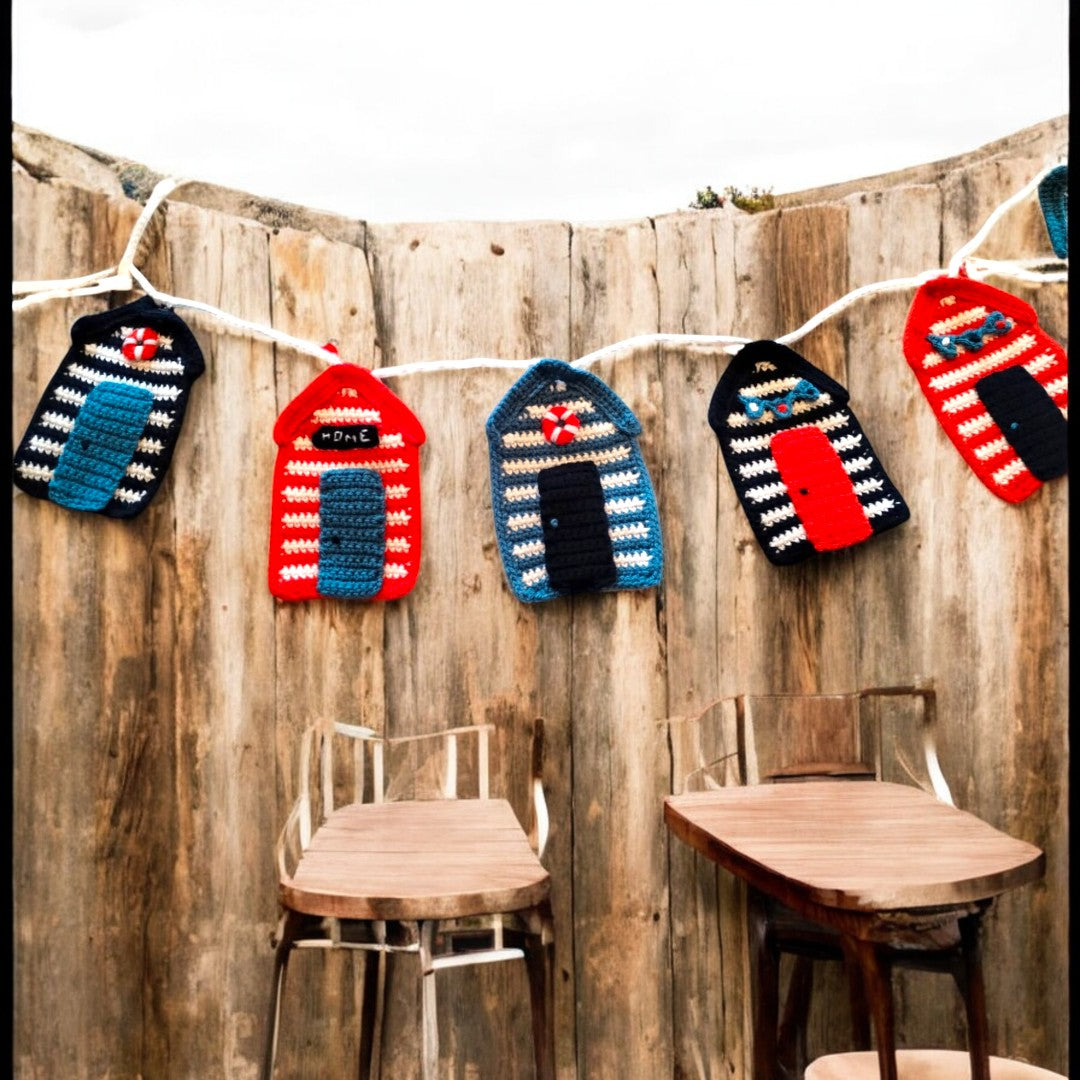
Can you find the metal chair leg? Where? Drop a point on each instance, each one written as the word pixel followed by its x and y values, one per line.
pixel 287 932
pixel 429 1014
pixel 540 962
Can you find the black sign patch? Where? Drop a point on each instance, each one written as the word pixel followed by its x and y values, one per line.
pixel 346 437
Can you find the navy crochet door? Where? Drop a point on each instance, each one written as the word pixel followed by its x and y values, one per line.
pixel 577 544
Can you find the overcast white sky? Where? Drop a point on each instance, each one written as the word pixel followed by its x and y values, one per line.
pixel 487 110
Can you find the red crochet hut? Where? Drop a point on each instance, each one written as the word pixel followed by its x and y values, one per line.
pixel 345 518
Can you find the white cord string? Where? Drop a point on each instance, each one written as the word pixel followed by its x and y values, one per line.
pixel 121 277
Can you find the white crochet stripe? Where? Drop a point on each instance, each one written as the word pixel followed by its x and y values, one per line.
pixel 128 496
pixel 57 421
pixel 45 446
pixel 627 478
pixel 533 576
pixel 88 375
pixel 398 517
pixel 115 356
pixel 300 494
pixel 773 386
pixel 396 491
pixel 522 493
pixel 400 545
pixel 395 570
pixel 516 466
pixel 776 515
pixel 300 521
pixel 626 558
pixel 1040 363
pixel 759 443
pixel 302 442
pixel 160 419
pixel 864 487
pixel 638 530
pixel 879 507
pixel 32 471
pixel 958 375
pixel 629 504
pixel 300 547
pixel 973 316
pixel 528 550
pixel 515 440
pixel 857 464
pixel 975 425
pixel 517 522
pixel 317 468
pixel 150 446
pixel 991 449
pixel 786 539
pixel 1057 386
pixel 740 419
pixel 392 440
pixel 768 465
pixel 960 402
pixel 1008 473
pixel 344 414
pixel 139 472
pixel 766 492
pixel 537 412
pixel 297 572
pixel 164 341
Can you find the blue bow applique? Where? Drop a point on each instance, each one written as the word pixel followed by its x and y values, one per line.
pixel 782 407
pixel 995 324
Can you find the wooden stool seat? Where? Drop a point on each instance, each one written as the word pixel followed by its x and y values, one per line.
pixel 429 859
pixel 921 1065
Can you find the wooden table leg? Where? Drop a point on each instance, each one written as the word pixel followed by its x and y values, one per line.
pixel 765 979
pixel 970 980
pixel 877 981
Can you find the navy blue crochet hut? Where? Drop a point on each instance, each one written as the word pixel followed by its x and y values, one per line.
pixel 573 504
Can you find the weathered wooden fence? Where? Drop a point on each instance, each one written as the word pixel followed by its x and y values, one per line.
pixel 159 690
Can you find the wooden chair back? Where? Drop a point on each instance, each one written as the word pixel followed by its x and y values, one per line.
pixel 340 764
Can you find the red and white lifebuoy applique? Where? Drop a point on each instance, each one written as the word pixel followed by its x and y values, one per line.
pixel 140 344
pixel 560 425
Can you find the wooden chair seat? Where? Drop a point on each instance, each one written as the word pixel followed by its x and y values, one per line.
pixel 921 1065
pixel 433 859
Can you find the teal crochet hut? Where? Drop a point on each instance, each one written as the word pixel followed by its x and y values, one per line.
pixel 573 503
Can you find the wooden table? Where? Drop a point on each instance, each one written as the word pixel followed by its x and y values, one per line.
pixel 877 862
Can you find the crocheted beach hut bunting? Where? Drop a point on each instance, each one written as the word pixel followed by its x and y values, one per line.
pixel 805 473
pixel 345 518
pixel 104 431
pixel 573 504
pixel 1054 200
pixel 998 384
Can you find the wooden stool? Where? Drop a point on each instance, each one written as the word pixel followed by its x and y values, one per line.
pixel 921 1065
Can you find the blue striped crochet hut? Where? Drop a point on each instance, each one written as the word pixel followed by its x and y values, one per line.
pixel 573 504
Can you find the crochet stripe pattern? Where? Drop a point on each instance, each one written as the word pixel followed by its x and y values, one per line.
pixel 803 469
pixel 613 513
pixel 105 429
pixel 345 519
pixel 1014 441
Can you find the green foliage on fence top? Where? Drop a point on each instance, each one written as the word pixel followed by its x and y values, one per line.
pixel 752 201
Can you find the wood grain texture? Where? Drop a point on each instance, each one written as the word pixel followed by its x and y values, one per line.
pixel 160 690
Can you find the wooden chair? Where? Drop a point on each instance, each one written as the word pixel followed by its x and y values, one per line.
pixel 453 879
pixel 882 733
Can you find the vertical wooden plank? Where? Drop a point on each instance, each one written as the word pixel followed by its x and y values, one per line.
pixel 619 744
pixel 695 272
pixel 1008 604
pixel 220 649
pixel 88 751
pixel 460 648
pixel 329 654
